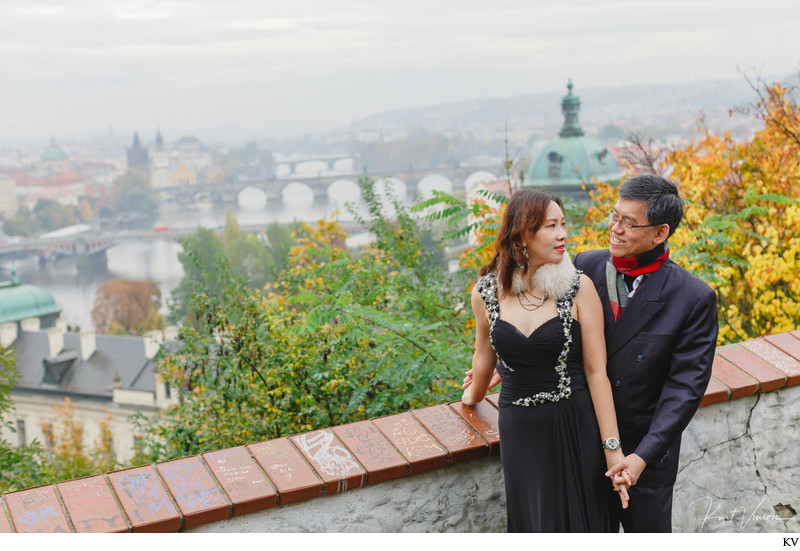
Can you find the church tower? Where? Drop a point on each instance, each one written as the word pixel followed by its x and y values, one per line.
pixel 138 159
pixel 160 175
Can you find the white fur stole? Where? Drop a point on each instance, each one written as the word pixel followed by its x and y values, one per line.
pixel 553 279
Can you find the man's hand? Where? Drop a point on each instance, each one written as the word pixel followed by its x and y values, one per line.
pixel 633 464
pixel 496 379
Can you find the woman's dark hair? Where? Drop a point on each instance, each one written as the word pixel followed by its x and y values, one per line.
pixel 523 216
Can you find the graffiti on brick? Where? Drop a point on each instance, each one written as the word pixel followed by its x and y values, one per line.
pixel 189 489
pixel 33 498
pixel 330 458
pixel 414 441
pixel 481 423
pixel 86 493
pixel 277 458
pixel 143 488
pixel 92 498
pixel 32 517
pixel 446 427
pixel 234 468
pixel 283 469
pixel 40 511
pixel 436 419
pixel 113 522
pixel 367 441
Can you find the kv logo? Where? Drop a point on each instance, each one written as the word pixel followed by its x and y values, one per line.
pixel 790 542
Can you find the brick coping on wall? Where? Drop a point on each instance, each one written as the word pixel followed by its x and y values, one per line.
pixel 217 485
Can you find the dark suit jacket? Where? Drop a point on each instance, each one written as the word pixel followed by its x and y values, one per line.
pixel 660 352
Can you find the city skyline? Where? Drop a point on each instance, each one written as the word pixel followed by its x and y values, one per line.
pixel 289 68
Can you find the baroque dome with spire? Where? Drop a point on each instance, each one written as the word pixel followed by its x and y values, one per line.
pixel 572 159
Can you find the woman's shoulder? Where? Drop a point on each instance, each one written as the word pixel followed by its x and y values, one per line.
pixel 486 288
pixel 585 287
pixel 486 280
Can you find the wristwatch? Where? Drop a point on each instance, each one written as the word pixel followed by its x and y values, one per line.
pixel 611 444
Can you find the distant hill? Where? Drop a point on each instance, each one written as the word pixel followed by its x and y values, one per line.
pixel 637 105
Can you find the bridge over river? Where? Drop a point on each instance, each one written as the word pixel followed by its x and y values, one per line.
pixel 322 187
pixel 94 242
pixel 89 244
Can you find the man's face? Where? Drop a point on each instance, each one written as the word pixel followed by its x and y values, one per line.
pixel 627 243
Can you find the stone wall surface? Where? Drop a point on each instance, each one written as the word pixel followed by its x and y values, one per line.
pixel 468 497
pixel 739 473
pixel 739 466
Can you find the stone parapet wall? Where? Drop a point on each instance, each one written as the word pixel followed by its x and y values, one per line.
pixel 438 470
pixel 739 469
pixel 468 497
pixel 739 473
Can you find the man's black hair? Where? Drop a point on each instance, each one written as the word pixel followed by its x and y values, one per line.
pixel 664 203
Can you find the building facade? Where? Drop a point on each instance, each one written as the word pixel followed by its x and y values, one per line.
pixel 107 378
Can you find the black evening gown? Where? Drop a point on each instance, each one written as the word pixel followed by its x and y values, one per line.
pixel 550 447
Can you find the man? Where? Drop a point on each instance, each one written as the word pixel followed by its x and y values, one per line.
pixel 661 332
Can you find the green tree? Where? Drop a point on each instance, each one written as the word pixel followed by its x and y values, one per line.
pixel 23 223
pixel 258 259
pixel 132 194
pixel 339 336
pixel 52 215
pixel 20 467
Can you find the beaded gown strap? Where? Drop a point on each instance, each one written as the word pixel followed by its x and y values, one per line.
pixel 563 390
pixel 487 287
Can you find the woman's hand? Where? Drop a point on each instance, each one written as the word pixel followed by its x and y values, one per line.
pixel 632 465
pixel 496 379
pixel 466 397
pixel 613 458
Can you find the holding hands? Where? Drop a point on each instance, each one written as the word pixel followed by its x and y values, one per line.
pixel 624 471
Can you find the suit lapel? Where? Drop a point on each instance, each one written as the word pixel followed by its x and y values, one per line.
pixel 602 292
pixel 644 304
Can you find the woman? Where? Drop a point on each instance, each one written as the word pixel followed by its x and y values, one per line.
pixel 543 321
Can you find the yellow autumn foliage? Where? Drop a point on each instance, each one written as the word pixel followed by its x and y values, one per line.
pixel 741 226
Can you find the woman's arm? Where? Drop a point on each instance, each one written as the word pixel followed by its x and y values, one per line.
pixel 484 358
pixel 590 315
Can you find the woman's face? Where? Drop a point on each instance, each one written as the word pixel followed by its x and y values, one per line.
pixel 548 244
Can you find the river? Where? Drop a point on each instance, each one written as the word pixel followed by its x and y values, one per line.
pixel 157 259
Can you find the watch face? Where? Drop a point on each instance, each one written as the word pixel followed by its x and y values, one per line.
pixel 611 444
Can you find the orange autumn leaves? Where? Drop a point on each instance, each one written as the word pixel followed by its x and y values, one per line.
pixel 741 228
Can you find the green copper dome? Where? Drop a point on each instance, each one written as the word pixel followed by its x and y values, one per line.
pixel 18 301
pixel 53 152
pixel 572 158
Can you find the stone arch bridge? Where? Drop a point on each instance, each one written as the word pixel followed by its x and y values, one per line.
pixel 320 186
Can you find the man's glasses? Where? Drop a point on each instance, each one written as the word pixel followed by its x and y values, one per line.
pixel 614 218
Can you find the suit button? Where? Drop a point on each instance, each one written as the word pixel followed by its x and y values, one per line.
pixel 617 382
pixel 639 358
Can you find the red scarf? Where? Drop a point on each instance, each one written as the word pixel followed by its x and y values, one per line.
pixel 632 267
pixel 616 268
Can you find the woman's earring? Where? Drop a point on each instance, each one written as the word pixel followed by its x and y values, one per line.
pixel 525 252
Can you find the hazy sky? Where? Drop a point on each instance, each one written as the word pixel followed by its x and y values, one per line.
pixel 274 67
